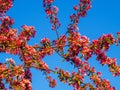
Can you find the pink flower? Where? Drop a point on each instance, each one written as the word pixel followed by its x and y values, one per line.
pixel 77 61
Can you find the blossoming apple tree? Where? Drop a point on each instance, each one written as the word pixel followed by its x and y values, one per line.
pixel 73 47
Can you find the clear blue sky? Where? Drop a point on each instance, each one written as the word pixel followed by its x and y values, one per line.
pixel 103 18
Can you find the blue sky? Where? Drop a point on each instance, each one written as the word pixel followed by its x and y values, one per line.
pixel 103 18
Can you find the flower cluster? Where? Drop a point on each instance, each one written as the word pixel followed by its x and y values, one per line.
pixel 78 45
pixel 99 47
pixel 11 42
pixel 27 32
pixel 114 68
pixel 84 6
pixel 52 82
pixel 102 44
pixel 76 79
pixel 14 76
pixel 5 5
pixel 63 76
pixel 22 84
pixel 81 10
pixel 51 12
pixel 101 84
pixel 60 43
pixel 6 22
pixel 32 58
pixel 8 36
pixel 75 43
pixel 46 49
